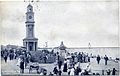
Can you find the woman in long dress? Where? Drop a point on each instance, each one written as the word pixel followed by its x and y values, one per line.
pixel 72 71
pixel 18 62
pixel 65 66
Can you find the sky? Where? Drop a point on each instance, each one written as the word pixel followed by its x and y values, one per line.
pixel 76 23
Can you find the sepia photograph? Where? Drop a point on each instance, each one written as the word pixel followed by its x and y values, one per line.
pixel 57 38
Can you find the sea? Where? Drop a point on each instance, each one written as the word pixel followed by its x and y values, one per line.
pixel 113 52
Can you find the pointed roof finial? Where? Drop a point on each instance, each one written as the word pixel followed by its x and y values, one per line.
pixel 29 2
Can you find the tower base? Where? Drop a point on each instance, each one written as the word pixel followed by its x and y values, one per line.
pixel 30 44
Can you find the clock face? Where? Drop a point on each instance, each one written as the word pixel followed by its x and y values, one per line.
pixel 30 17
pixel 30 10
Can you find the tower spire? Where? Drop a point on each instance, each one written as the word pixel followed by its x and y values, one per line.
pixel 29 2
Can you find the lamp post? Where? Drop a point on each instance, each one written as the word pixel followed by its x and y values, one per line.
pixel 89 45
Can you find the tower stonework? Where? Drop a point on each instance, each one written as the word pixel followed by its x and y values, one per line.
pixel 30 42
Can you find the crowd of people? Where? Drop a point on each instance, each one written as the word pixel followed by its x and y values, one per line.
pixel 11 54
pixel 105 58
pixel 22 56
pixel 69 63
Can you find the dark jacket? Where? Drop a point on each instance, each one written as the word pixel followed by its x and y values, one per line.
pixel 22 65
pixel 98 58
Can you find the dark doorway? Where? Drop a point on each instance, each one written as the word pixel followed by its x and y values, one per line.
pixel 30 46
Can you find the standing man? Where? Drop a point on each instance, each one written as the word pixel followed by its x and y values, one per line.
pixel 59 64
pixel 78 57
pixel 45 58
pixel 22 66
pixel 88 58
pixel 73 57
pixel 65 66
pixel 5 56
pixel 98 59
pixel 84 58
pixel 106 59
pixel 81 58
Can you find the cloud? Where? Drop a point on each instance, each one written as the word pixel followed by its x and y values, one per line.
pixel 74 22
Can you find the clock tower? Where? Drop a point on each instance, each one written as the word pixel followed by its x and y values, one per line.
pixel 30 42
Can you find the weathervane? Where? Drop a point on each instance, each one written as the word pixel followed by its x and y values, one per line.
pixel 31 1
pixel 34 2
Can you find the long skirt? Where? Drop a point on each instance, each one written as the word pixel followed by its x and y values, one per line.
pixel 65 67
